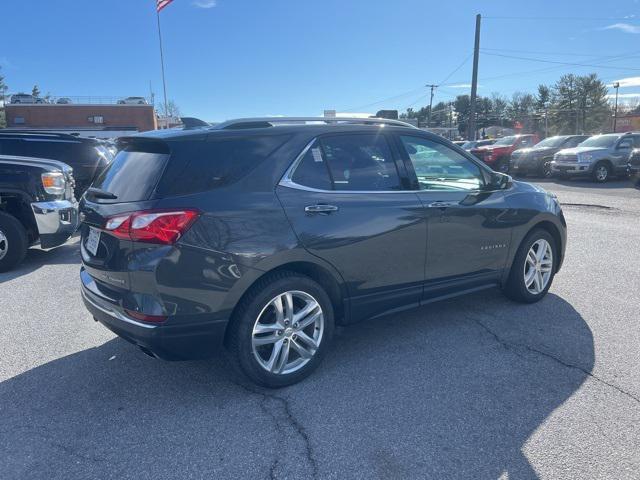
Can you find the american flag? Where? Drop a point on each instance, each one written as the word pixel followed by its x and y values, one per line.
pixel 160 4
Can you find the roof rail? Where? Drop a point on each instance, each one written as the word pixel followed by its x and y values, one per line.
pixel 45 133
pixel 264 122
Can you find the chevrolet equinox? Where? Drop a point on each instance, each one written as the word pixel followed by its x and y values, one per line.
pixel 262 234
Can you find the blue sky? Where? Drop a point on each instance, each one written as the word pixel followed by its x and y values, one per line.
pixel 234 58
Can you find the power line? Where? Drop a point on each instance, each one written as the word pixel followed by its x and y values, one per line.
pixel 457 68
pixel 536 52
pixel 604 59
pixel 395 97
pixel 560 18
pixel 559 63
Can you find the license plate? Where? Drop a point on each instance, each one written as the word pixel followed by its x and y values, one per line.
pixel 93 241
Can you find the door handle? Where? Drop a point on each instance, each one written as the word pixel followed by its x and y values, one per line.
pixel 320 208
pixel 442 204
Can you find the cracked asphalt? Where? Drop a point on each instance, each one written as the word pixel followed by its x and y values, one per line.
pixel 476 387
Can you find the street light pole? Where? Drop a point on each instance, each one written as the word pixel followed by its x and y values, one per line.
pixel 615 108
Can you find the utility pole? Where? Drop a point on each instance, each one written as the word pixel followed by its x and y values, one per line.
pixel 430 104
pixel 474 82
pixel 615 109
pixel 546 121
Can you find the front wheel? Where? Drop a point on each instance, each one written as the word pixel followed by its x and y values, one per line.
pixel 533 268
pixel 13 242
pixel 601 172
pixel 546 169
pixel 282 329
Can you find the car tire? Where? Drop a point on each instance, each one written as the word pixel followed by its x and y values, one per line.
pixel 502 166
pixel 601 172
pixel 255 325
pixel 545 169
pixel 529 280
pixel 13 242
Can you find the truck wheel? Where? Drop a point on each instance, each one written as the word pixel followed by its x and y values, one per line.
pixel 502 165
pixel 601 172
pixel 13 242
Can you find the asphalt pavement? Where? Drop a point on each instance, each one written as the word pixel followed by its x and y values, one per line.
pixel 476 387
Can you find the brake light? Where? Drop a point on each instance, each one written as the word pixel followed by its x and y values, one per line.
pixel 152 226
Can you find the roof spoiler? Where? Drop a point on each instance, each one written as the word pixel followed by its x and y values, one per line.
pixel 192 122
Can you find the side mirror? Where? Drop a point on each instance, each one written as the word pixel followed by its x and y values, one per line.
pixel 499 181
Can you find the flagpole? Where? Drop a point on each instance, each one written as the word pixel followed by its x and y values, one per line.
pixel 164 84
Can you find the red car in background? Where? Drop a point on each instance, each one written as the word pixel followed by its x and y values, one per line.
pixel 498 155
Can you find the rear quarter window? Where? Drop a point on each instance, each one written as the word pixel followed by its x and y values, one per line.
pixel 133 174
pixel 213 163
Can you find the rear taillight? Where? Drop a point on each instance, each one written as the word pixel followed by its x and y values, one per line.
pixel 151 226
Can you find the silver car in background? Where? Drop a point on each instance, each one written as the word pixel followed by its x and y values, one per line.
pixel 598 157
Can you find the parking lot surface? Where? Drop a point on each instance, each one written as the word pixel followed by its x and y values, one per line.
pixel 476 387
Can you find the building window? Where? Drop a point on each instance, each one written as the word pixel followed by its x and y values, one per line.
pixel 96 119
pixel 18 120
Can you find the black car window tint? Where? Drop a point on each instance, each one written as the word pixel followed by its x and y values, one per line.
pixel 360 163
pixel 312 170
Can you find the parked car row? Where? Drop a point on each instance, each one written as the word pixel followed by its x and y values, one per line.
pixel 41 177
pixel 29 99
pixel 599 157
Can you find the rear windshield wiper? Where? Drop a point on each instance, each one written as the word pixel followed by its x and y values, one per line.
pixel 99 193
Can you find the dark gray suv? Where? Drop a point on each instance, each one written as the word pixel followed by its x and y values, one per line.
pixel 262 234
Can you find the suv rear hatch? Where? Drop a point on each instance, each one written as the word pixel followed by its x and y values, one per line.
pixel 125 186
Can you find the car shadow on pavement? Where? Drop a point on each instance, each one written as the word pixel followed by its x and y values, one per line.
pixel 453 390
pixel 36 258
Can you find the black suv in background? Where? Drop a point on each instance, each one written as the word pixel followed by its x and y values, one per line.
pixel 262 234
pixel 87 156
pixel 537 159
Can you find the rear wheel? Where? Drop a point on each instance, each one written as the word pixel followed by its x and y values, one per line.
pixel 545 169
pixel 601 172
pixel 533 268
pixel 282 329
pixel 502 165
pixel 13 242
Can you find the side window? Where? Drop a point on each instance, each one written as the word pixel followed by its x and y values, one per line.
pixel 636 141
pixel 360 163
pixel 440 168
pixel 625 143
pixel 198 166
pixel 573 142
pixel 525 142
pixel 312 170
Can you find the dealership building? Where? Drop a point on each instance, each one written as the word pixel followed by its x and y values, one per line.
pixel 96 120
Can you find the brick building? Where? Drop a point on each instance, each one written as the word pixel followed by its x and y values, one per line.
pixel 77 116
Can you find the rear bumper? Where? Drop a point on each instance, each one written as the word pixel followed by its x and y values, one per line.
pixel 179 338
pixel 56 221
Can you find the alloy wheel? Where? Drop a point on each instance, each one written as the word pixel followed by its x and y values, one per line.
pixel 287 332
pixel 602 172
pixel 546 170
pixel 538 266
pixel 4 245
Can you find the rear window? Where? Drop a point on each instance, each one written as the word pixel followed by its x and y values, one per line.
pixel 132 175
pixel 205 165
